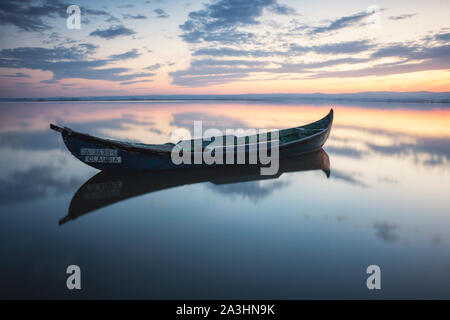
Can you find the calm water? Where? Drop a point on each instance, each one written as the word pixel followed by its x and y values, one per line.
pixel 231 235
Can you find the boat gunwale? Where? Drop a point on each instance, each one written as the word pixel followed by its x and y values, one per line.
pixel 283 145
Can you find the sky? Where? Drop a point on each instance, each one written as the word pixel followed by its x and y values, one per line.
pixel 223 47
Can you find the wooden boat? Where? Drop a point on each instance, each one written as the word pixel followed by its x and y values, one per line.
pixel 109 187
pixel 106 154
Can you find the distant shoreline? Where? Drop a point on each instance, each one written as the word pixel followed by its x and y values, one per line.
pixel 398 97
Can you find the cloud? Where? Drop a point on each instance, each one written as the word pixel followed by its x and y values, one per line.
pixel 126 55
pixel 88 47
pixel 49 81
pixel 386 69
pixel 281 9
pixel 17 75
pixel 220 19
pixel 68 62
pixel 227 22
pixel 402 17
pixel 126 6
pixel 228 63
pixel 23 84
pixel 30 56
pixel 231 52
pixel 154 67
pixel 203 71
pixel 160 13
pixel 94 12
pixel 412 58
pixel 207 76
pixel 309 67
pixel 394 50
pixel 135 17
pixel 199 74
pixel 225 37
pixel 113 19
pixel 204 80
pixel 336 48
pixel 206 72
pixel 444 37
pixel 341 23
pixel 112 32
pixel 413 52
pixel 56 37
pixel 30 18
pixel 135 81
pixel 346 47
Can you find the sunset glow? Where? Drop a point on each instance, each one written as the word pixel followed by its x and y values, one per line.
pixel 223 47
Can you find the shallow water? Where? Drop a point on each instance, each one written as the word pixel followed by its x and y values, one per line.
pixel 298 235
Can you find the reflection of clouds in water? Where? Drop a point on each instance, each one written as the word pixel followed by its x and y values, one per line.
pixel 386 231
pixel 34 140
pixel 345 151
pixel 436 150
pixel 388 180
pixel 101 127
pixel 221 122
pixel 436 240
pixel 349 177
pixel 252 190
pixel 432 151
pixel 36 182
pixel 47 140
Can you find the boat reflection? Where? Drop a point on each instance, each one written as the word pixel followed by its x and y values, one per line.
pixel 106 188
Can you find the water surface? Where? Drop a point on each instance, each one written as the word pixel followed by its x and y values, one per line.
pixel 232 235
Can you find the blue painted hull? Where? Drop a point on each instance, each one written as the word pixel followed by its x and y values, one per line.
pixel 111 155
pixel 128 160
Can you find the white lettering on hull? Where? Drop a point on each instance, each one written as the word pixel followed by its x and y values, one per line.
pixel 102 159
pixel 98 152
pixel 93 155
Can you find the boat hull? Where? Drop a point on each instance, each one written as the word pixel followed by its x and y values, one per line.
pixel 109 155
pixel 120 160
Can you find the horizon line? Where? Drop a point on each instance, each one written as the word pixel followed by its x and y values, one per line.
pixel 367 96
